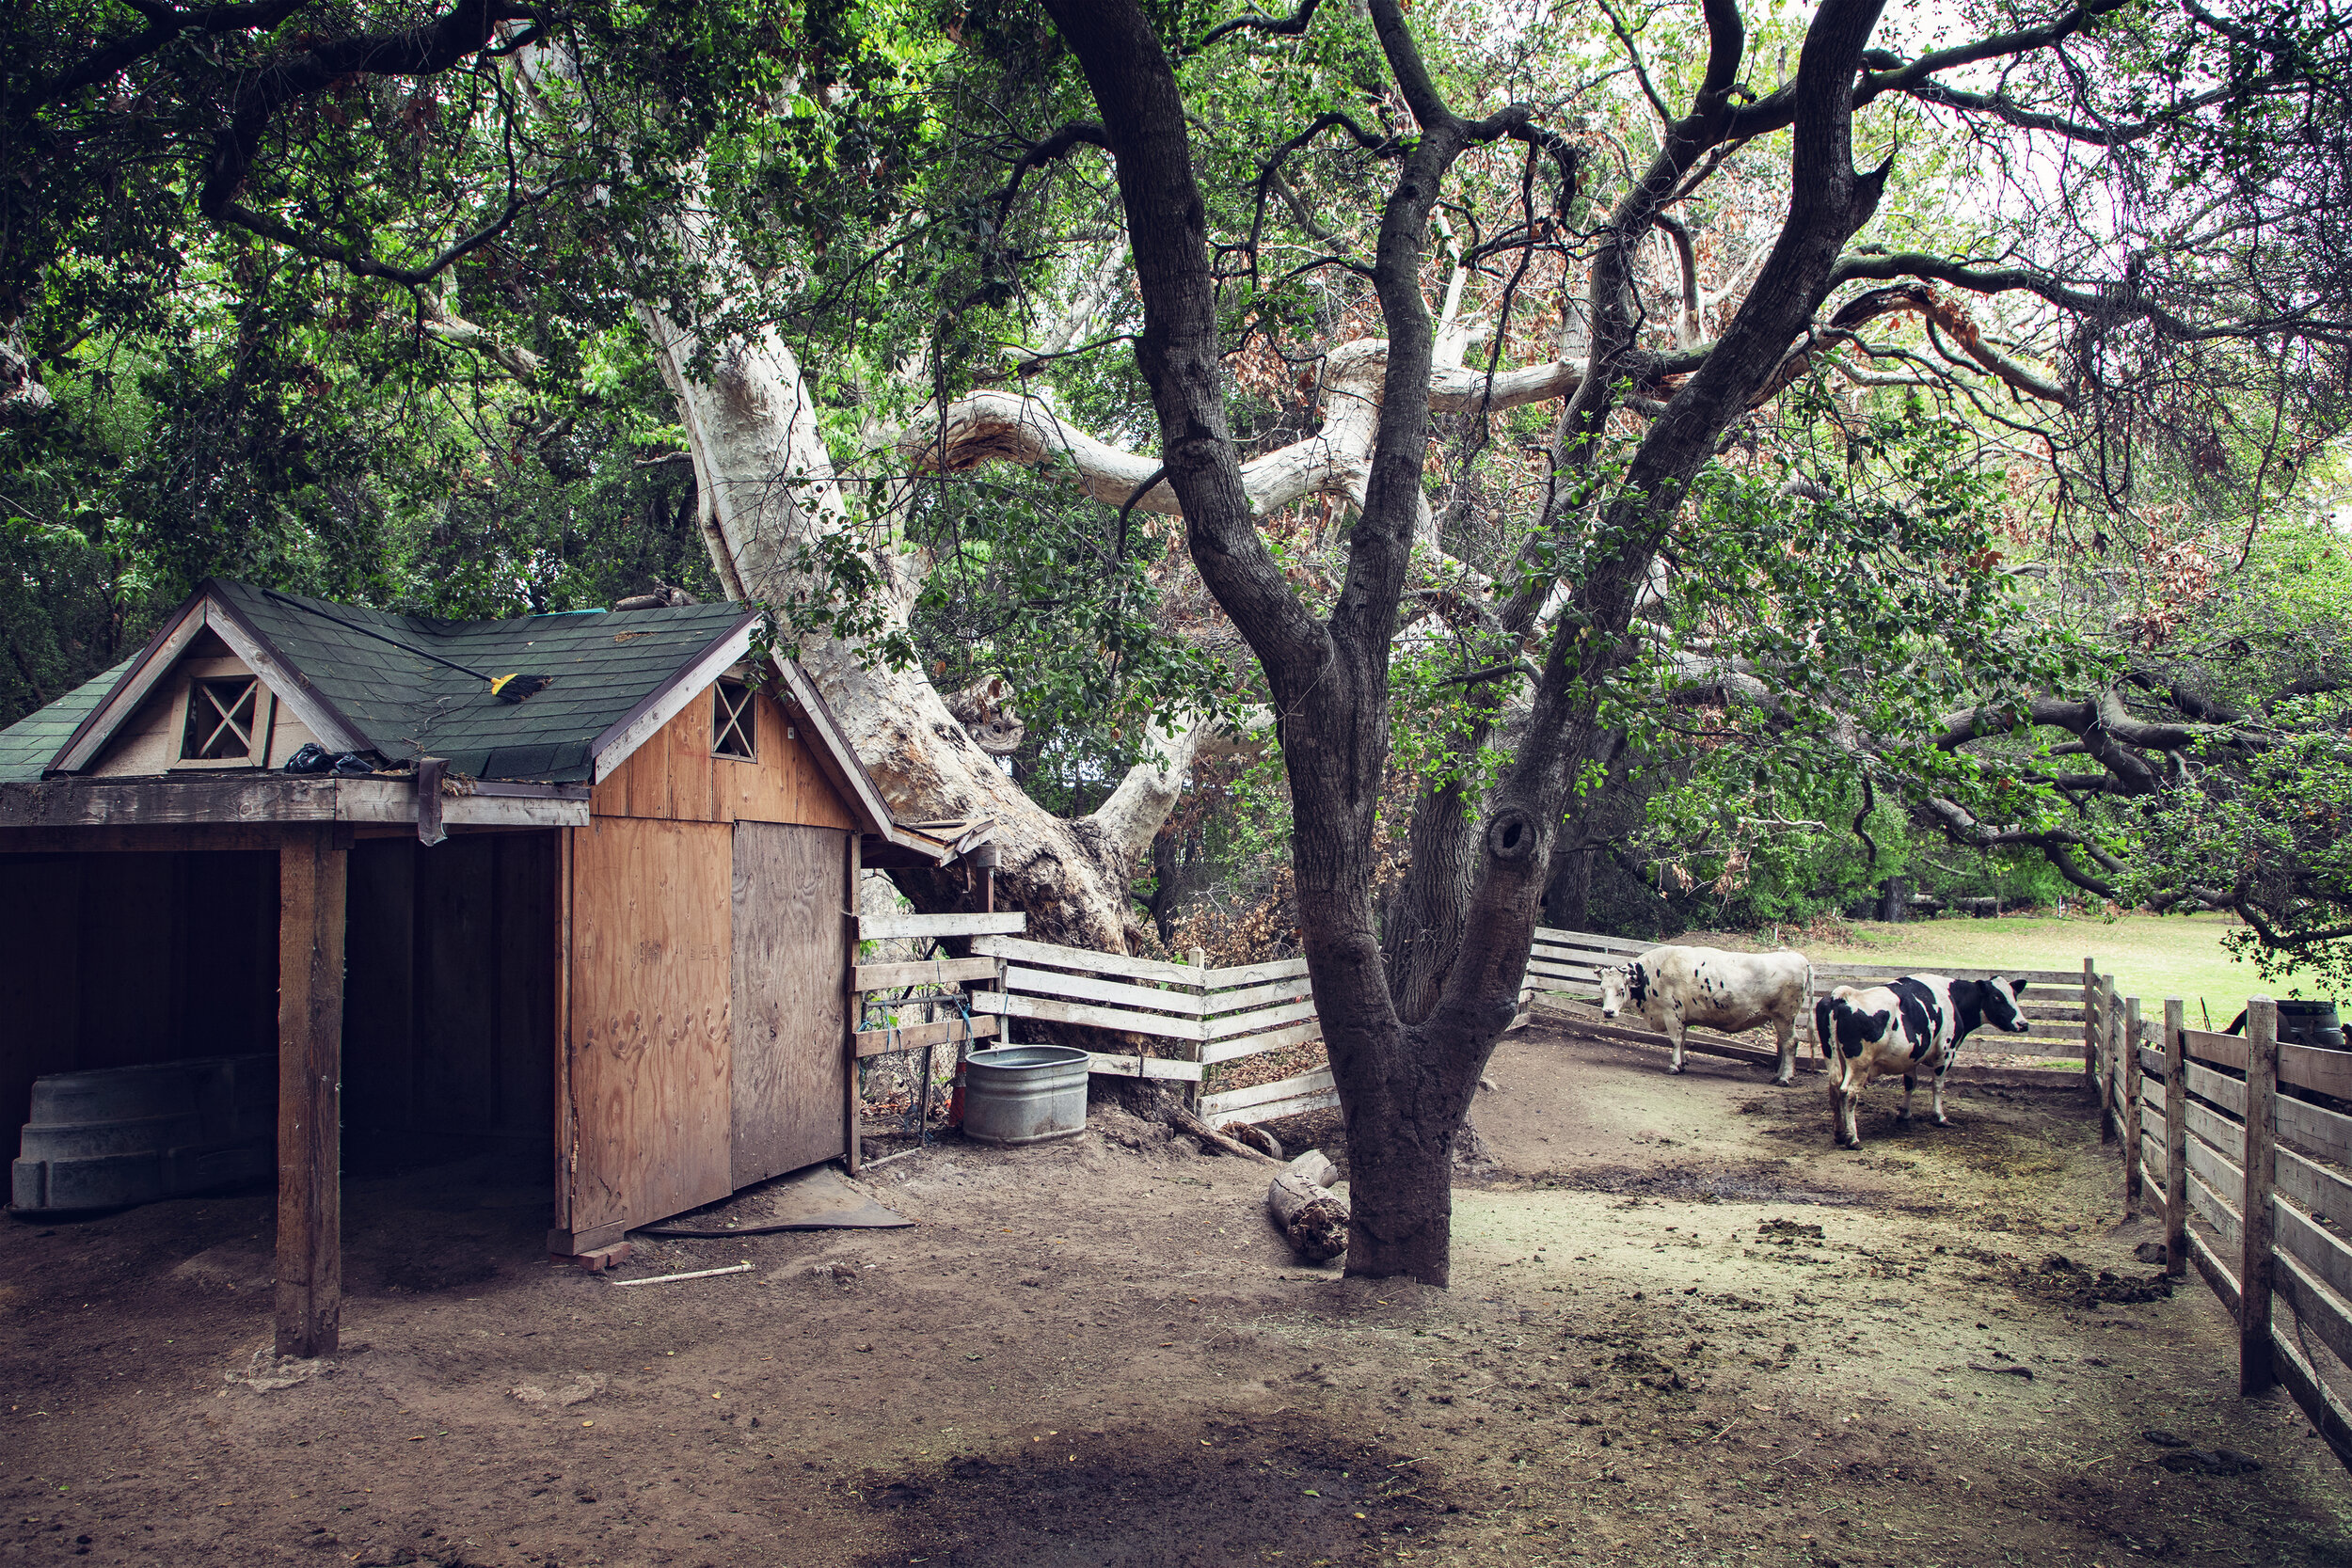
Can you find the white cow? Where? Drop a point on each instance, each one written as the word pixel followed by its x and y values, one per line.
pixel 1673 987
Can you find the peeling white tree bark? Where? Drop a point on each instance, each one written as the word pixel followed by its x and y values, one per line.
pixel 1012 427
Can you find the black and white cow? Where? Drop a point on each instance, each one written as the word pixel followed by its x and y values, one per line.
pixel 1912 1025
pixel 1673 987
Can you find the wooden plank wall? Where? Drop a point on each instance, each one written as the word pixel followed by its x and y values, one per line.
pixel 672 777
pixel 449 1023
pixel 101 955
pixel 648 1019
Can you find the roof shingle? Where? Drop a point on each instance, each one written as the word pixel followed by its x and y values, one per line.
pixel 599 667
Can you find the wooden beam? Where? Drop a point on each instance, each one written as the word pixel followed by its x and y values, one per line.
pixel 926 972
pixel 206 836
pixel 2255 1371
pixel 311 876
pixel 884 926
pixel 855 1004
pixel 915 1037
pixel 1082 960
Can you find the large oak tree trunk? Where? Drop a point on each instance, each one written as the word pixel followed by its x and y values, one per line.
pixel 768 490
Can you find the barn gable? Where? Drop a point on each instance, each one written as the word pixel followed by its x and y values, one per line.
pixel 396 689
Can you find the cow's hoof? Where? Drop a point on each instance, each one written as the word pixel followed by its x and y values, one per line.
pixel 1942 1122
pixel 1783 1082
pixel 1673 1067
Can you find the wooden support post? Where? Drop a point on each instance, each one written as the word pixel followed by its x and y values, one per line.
pixel 852 1015
pixel 2132 1135
pixel 566 1133
pixel 311 875
pixel 2107 1109
pixel 2091 1024
pixel 2254 1370
pixel 2175 1136
pixel 1199 1090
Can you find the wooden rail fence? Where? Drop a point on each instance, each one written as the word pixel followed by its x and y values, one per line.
pixel 1207 1015
pixel 1569 964
pixel 2254 1177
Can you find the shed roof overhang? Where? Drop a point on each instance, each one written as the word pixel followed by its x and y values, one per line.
pixel 71 813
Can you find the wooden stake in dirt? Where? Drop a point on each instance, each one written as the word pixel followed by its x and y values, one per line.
pixel 1310 1218
pixel 2175 1136
pixel 2254 1370
pixel 2132 1143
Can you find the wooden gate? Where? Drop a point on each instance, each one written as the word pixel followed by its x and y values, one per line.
pixel 790 1073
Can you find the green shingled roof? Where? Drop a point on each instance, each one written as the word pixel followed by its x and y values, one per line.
pixel 599 667
pixel 26 746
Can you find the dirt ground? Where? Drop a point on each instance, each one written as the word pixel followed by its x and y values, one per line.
pixel 1683 1329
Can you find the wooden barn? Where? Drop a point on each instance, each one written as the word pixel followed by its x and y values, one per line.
pixel 614 918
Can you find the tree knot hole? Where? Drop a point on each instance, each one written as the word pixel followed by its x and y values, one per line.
pixel 1510 837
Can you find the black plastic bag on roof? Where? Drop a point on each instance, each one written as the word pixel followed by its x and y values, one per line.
pixel 311 758
pixel 352 762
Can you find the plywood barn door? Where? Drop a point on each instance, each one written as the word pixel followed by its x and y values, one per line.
pixel 649 1031
pixel 790 980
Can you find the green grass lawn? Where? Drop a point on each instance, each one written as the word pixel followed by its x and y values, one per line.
pixel 2151 957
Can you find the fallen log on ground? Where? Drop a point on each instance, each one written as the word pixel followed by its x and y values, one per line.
pixel 1260 1139
pixel 1311 1218
pixel 1185 1121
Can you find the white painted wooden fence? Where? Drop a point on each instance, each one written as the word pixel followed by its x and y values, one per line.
pixel 1207 1015
pixel 1210 1016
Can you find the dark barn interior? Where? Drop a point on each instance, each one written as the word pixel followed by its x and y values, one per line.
pixel 113 960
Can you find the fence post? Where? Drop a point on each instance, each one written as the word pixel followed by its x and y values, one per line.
pixel 1199 1090
pixel 2091 1024
pixel 2132 1134
pixel 2254 1370
pixel 2107 1058
pixel 2175 1136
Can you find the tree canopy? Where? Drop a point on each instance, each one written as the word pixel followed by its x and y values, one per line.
pixel 1858 425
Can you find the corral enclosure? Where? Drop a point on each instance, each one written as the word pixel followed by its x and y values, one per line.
pixel 1683 1330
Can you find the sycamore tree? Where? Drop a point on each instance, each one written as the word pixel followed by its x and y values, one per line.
pixel 1526 375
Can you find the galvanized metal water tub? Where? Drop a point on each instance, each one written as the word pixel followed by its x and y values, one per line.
pixel 1025 1094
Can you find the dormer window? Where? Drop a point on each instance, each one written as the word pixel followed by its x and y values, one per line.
pixel 226 723
pixel 733 730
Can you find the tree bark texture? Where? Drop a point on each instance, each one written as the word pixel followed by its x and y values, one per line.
pixel 768 489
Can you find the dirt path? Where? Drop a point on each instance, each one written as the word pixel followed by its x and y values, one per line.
pixel 1648 1356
